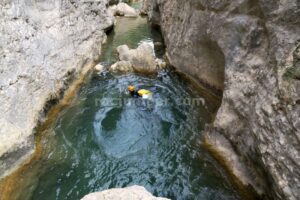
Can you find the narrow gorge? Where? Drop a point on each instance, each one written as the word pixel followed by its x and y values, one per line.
pixel 222 120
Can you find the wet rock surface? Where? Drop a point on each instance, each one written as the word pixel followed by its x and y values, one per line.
pixel 245 49
pixel 130 193
pixel 44 45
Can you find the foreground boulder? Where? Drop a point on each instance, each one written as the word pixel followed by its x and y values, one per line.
pixel 123 9
pixel 244 49
pixel 130 193
pixel 141 59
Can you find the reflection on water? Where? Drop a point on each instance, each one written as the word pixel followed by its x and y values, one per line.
pixel 93 146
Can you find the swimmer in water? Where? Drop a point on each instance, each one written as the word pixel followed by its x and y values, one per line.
pixel 145 94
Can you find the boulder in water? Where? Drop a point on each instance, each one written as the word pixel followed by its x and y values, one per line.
pixel 123 9
pixel 141 59
pixel 126 10
pixel 122 66
pixel 99 68
pixel 113 10
pixel 130 193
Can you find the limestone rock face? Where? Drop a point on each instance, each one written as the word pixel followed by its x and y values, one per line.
pixel 44 45
pixel 130 193
pixel 141 59
pixel 248 50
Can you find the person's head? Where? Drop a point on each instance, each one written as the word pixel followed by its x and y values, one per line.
pixel 130 88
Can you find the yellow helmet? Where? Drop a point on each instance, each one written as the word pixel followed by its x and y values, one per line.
pixel 130 88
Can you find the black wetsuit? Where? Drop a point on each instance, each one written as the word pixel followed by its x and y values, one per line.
pixel 134 94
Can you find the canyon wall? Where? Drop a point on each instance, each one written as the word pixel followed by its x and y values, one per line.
pixel 250 51
pixel 44 46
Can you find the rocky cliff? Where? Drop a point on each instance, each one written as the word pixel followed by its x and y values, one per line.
pixel 248 50
pixel 44 45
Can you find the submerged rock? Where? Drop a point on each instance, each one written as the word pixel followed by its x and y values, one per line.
pixel 240 48
pixel 129 193
pixel 141 59
pixel 44 47
pixel 123 9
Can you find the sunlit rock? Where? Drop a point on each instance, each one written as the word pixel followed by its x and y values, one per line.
pixel 123 9
pixel 113 10
pixel 122 66
pixel 141 59
pixel 130 193
pixel 99 68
